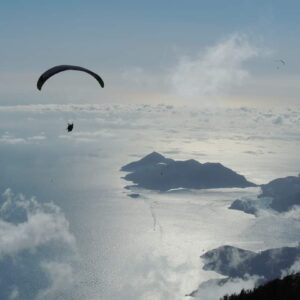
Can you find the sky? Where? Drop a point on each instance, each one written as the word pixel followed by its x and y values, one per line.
pixel 140 48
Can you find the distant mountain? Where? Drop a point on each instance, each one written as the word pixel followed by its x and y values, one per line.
pixel 155 172
pixel 245 269
pixel 280 194
pixel 235 262
pixel 287 288
pixel 250 205
pixel 285 192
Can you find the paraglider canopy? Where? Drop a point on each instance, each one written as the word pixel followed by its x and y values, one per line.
pixel 57 69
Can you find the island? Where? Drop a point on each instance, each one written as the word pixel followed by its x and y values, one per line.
pixel 156 172
pixel 280 194
pixel 244 269
pixel 235 262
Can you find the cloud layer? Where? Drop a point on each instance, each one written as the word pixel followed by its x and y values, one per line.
pixel 37 249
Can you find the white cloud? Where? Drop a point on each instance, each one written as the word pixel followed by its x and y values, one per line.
pixel 213 291
pixel 10 139
pixel 47 108
pixel 295 268
pixel 25 224
pixel 160 278
pixel 37 138
pixel 87 136
pixel 62 279
pixel 37 249
pixel 216 70
pixel 7 138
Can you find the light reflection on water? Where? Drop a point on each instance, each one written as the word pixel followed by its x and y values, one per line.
pixel 120 242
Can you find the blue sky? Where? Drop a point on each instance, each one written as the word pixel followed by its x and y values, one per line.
pixel 110 36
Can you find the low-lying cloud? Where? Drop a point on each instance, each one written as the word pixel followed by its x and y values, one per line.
pixel 37 249
pixel 215 289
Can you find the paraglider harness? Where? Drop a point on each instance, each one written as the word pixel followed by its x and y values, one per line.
pixel 70 127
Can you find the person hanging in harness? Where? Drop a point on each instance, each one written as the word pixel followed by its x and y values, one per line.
pixel 70 127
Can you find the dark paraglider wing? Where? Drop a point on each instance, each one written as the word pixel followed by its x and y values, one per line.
pixel 57 69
